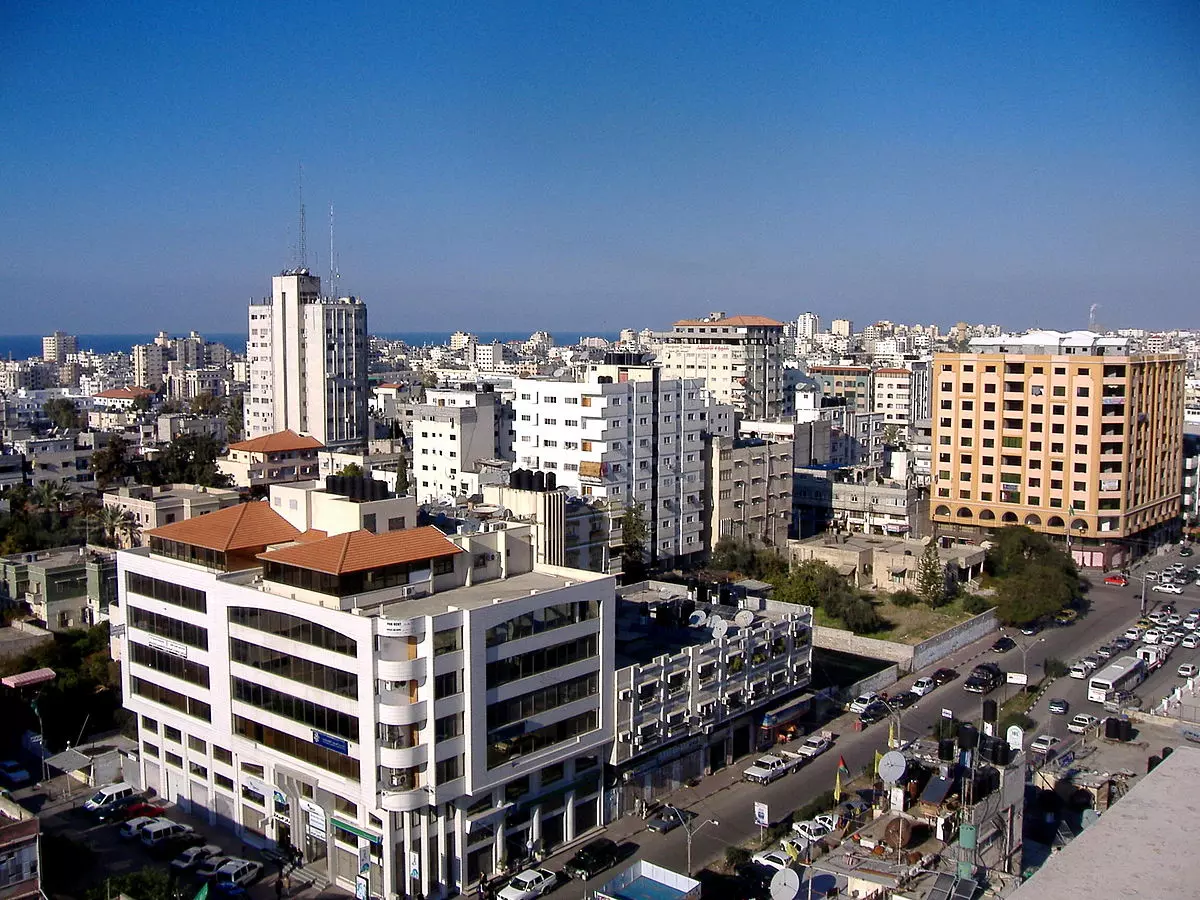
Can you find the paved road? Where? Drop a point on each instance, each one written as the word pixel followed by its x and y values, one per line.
pixel 725 798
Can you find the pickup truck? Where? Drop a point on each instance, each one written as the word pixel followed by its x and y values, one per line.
pixel 775 765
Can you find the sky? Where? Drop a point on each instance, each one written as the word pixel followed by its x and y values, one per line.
pixel 588 166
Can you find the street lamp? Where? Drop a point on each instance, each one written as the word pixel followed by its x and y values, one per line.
pixel 689 830
pixel 1024 655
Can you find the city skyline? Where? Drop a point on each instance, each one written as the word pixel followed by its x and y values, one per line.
pixel 591 169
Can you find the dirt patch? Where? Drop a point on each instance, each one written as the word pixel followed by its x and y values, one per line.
pixel 913 624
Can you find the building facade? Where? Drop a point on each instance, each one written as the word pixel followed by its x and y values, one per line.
pixel 850 383
pixel 431 707
pixel 749 490
pixel 271 459
pixel 739 358
pixel 1073 435
pixel 308 363
pixel 153 507
pixel 56 347
pixel 453 432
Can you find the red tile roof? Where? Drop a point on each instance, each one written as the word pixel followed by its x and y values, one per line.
pixel 357 551
pixel 241 527
pixel 278 442
pixel 733 321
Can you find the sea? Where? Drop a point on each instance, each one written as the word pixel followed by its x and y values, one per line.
pixel 24 346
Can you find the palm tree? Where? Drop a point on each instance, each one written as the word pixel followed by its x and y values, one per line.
pixel 108 522
pixel 130 528
pixel 49 497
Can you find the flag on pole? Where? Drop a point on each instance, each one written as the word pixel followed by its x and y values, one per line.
pixel 878 757
pixel 843 769
pixel 891 735
pixel 837 787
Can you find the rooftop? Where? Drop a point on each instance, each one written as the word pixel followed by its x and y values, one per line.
pixel 488 592
pixel 731 321
pixel 358 551
pixel 235 528
pixel 1140 847
pixel 278 442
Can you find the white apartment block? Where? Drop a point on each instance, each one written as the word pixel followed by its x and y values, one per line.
pixel 57 346
pixel 627 441
pixel 453 432
pixel 308 363
pixel 891 393
pixel 430 706
pixel 150 365
pixel 739 357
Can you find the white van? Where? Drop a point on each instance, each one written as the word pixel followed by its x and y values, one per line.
pixel 1079 670
pixel 163 830
pixel 108 795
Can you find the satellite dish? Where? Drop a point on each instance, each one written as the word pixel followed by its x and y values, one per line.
pixel 892 766
pixel 697 619
pixel 785 885
pixel 719 628
pixel 1015 737
pixel 744 619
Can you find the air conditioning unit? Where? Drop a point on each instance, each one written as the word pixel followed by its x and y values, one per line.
pixel 625 694
pixel 623 737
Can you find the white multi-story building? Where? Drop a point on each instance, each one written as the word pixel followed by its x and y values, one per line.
pixel 739 358
pixel 808 325
pixel 630 436
pixel 308 363
pixel 453 432
pixel 428 707
pixel 150 364
pixel 56 347
pixel 891 394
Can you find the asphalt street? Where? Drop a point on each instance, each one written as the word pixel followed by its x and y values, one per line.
pixel 725 798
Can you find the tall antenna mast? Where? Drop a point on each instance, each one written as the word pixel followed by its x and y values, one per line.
pixel 334 270
pixel 302 241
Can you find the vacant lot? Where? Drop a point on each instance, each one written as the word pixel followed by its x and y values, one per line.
pixel 909 625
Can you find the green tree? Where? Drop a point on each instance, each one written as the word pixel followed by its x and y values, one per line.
pixel 1033 578
pixel 402 476
pixel 235 406
pixel 351 470
pixel 931 575
pixel 147 883
pixel 190 459
pixel 111 462
pixel 143 402
pixel 633 543
pixel 61 413
pixel 204 404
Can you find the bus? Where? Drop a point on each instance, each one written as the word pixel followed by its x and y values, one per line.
pixel 1123 675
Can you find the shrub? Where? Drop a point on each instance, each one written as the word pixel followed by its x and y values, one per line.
pixel 736 856
pixel 818 804
pixel 976 604
pixel 1054 668
pixel 1009 719
pixel 945 728
pixel 905 599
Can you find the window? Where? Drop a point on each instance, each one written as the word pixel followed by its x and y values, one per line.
pixel 534 662
pixel 291 627
pixel 149 724
pixel 174 759
pixel 294 668
pixel 292 707
pixel 223 781
pixel 448 727
pixel 165 626
pixel 449 640
pixel 368 522
pixel 448 769
pixel 149 749
pixel 447 685
pixel 221 755
pixel 299 748
pixel 396 523
pixel 197 745
pixel 169 664
pixel 167 592
pixel 173 734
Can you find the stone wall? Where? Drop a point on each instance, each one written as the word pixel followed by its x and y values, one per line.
pixel 954 638
pixel 849 642
pixel 907 657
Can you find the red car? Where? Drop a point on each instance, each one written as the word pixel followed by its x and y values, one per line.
pixel 133 810
pixel 1117 579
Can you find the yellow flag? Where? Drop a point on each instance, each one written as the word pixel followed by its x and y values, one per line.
pixel 837 787
pixel 878 757
pixel 891 735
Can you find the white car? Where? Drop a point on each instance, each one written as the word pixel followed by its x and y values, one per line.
pixel 133 827
pixel 1044 743
pixel 923 686
pixel 1167 589
pixel 829 823
pixel 1171 639
pixel 1174 620
pixel 1081 723
pixel 240 872
pixel 815 746
pixel 1191 623
pixel 1191 642
pixel 1189 670
pixel 528 884
pixel 1134 634
pixel 772 859
pixel 210 866
pixel 860 704
pixel 193 856
pixel 1153 636
pixel 809 831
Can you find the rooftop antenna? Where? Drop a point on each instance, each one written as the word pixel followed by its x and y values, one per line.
pixel 302 241
pixel 1092 316
pixel 334 271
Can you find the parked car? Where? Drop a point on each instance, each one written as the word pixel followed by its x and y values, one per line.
pixel 1191 642
pixel 1134 634
pixel 859 704
pixel 1079 670
pixel 140 807
pixel 1117 579
pixel 209 867
pixel 772 859
pixel 1081 723
pixel 1185 551
pixel 755 880
pixel 592 858
pixel 814 745
pixel 108 795
pixel 1092 662
pixel 1030 629
pixel 1121 644
pixel 809 831
pixel 1188 670
pixel 1058 706
pixel 876 712
pixel 1167 589
pixel 668 818
pixel 125 808
pixel 1105 651
pixel 193 856
pixel 944 676
pixel 923 686
pixel 133 827
pixel 902 700
pixel 1066 617
pixel 1003 644
pixel 529 884
pixel 1171 639
pixel 1044 744
pixel 12 774
pixel 238 872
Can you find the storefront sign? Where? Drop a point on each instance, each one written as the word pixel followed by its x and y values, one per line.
pixel 360 888
pixel 414 865
pixel 172 647
pixel 1018 678
pixel 329 742
pixel 364 859
pixel 316 819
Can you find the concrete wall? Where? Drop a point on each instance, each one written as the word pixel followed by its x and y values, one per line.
pixel 877 682
pixel 907 657
pixel 20 639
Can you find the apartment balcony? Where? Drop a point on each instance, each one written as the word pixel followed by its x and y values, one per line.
pixel 402 669
pixel 403 757
pixel 403 801
pixel 394 708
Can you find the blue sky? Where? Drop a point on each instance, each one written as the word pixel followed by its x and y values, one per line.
pixel 590 166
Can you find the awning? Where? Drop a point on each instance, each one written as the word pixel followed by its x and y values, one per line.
pixel 354 829
pixel 846 569
pixel 27 679
pixel 898 570
pixel 69 761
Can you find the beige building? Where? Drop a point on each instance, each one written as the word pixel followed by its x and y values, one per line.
pixel 891 397
pixel 749 494
pixel 1059 431
pixel 153 507
pixel 884 563
pixel 271 459
pixel 850 383
pixel 739 358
